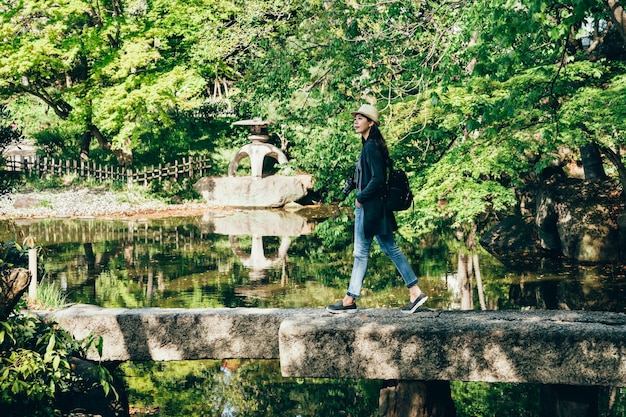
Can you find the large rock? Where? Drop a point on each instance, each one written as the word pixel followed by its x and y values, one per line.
pixel 513 240
pixel 256 222
pixel 579 220
pixel 271 191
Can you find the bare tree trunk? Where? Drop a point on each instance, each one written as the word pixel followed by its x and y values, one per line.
pixel 479 283
pixel 592 162
pixel 616 160
pixel 618 16
pixel 465 281
pixel 416 399
pixel 84 145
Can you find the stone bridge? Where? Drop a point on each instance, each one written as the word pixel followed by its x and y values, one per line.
pixel 548 347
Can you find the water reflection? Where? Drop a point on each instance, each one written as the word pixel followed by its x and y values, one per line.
pixel 237 258
pixel 280 259
pixel 258 224
pixel 274 258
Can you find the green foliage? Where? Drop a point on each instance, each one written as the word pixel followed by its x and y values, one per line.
pixel 476 399
pixel 474 97
pixel 595 111
pixel 60 142
pixel 151 78
pixel 15 255
pixel 246 388
pixel 34 364
pixel 10 134
pixel 49 296
pixel 175 191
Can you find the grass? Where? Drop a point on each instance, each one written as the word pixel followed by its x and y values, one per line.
pixel 49 297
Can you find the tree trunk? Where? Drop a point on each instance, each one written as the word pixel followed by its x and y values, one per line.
pixel 479 282
pixel 618 16
pixel 416 399
pixel 464 274
pixel 84 145
pixel 63 110
pixel 616 160
pixel 569 401
pixel 13 284
pixel 592 162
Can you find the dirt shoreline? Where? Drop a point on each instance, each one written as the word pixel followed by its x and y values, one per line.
pixel 85 203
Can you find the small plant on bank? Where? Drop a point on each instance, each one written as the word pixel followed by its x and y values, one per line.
pixel 175 191
pixel 49 297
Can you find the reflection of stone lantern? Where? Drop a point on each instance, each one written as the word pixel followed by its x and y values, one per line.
pixel 257 150
pixel 257 260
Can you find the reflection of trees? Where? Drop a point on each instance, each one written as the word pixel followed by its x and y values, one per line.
pixel 255 388
pixel 159 263
pixel 468 267
pixel 141 260
pixel 571 287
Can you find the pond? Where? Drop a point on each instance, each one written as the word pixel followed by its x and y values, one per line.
pixel 275 258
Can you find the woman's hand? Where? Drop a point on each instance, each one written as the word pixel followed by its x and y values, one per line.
pixel 358 204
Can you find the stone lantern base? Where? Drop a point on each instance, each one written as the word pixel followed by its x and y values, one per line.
pixel 271 191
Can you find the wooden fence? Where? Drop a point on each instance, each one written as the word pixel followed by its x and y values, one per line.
pixel 191 167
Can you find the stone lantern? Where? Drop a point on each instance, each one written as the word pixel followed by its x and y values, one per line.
pixel 255 190
pixel 257 149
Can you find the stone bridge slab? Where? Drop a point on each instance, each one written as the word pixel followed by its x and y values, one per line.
pixel 156 334
pixel 550 347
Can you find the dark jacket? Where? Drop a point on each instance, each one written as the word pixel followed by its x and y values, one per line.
pixel 371 174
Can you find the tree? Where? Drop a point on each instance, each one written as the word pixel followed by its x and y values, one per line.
pixel 128 71
pixel 476 96
pixel 9 134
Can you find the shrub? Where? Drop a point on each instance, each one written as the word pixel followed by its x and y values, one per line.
pixel 36 355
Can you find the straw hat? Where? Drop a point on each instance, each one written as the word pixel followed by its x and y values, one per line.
pixel 368 111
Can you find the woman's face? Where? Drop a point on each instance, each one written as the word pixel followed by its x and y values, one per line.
pixel 362 125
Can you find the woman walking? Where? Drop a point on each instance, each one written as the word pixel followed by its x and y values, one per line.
pixel 372 219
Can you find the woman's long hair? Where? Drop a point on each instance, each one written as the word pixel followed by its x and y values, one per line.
pixel 379 140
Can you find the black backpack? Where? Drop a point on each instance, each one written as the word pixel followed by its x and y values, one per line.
pixel 399 194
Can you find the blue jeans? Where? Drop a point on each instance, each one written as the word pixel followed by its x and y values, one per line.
pixel 362 247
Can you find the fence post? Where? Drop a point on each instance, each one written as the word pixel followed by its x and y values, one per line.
pixel 129 178
pixel 32 268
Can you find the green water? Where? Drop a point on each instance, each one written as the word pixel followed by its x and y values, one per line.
pixel 241 259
